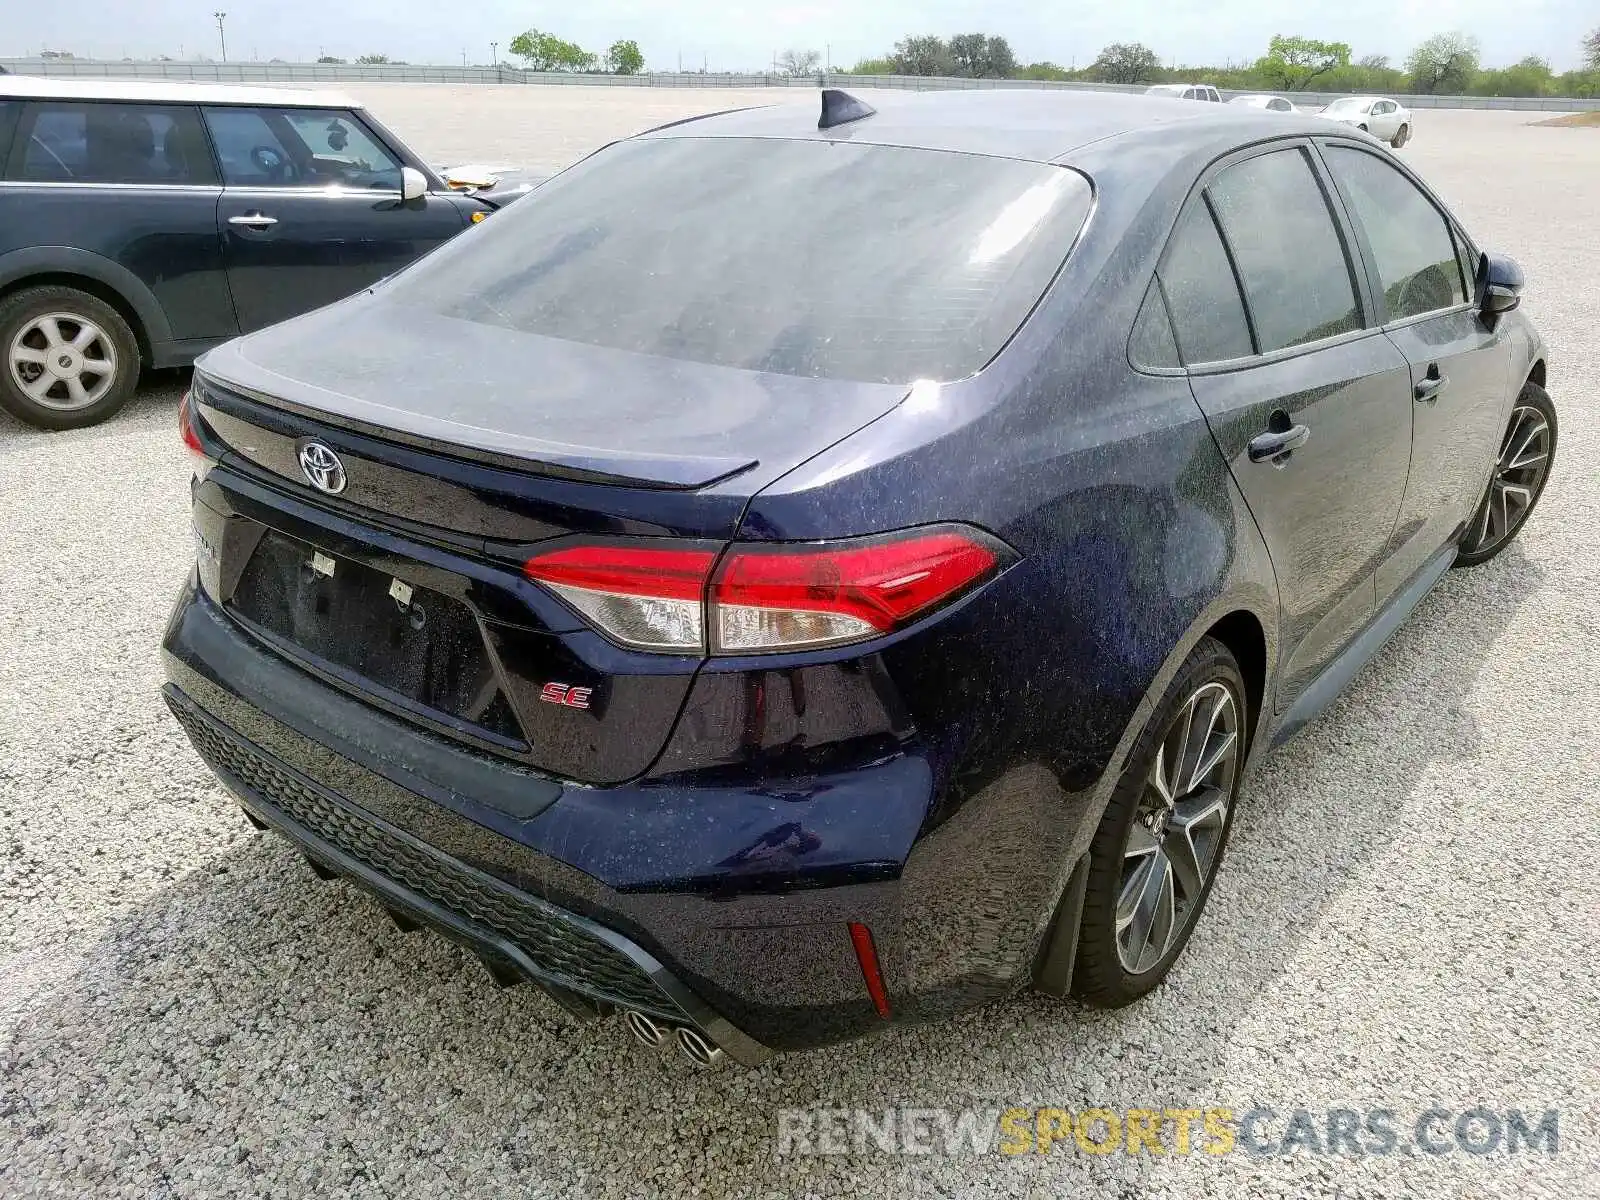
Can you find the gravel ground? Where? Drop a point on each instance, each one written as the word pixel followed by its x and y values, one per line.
pixel 1407 918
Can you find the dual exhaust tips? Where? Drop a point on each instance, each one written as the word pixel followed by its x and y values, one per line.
pixel 699 1049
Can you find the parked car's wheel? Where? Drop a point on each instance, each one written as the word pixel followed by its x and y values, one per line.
pixel 1155 855
pixel 69 359
pixel 1401 137
pixel 1526 453
pixel 1363 128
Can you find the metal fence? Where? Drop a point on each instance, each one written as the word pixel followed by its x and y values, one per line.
pixel 279 72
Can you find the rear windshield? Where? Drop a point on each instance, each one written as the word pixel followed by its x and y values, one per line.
pixel 821 259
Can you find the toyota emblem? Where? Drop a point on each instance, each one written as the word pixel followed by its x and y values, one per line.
pixel 322 468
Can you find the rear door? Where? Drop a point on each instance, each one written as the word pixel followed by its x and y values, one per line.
pixel 1460 366
pixel 132 183
pixel 311 211
pixel 1307 400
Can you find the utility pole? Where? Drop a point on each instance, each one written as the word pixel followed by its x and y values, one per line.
pixel 221 36
pixel 494 54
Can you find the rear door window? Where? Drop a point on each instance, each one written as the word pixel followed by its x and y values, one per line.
pixel 1207 311
pixel 1418 261
pixel 825 259
pixel 111 143
pixel 1299 282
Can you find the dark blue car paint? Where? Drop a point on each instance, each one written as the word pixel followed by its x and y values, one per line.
pixel 949 808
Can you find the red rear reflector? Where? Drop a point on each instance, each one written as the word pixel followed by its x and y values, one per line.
pixel 867 956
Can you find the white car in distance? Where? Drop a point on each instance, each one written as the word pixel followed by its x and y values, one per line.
pixel 1268 102
pixel 1381 117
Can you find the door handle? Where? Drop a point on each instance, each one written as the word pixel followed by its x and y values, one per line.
pixel 253 220
pixel 1276 443
pixel 1432 384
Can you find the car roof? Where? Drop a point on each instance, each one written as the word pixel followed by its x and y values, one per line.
pixel 1036 124
pixel 167 91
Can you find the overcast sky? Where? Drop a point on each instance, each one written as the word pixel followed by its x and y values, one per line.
pixel 732 36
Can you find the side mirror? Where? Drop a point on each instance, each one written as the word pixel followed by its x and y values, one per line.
pixel 1499 284
pixel 413 184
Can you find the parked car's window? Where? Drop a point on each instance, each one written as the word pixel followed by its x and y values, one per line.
pixel 1278 105
pixel 316 148
pixel 1207 312
pixel 821 259
pixel 1411 243
pixel 1298 280
pixel 111 143
pixel 9 110
pixel 1152 344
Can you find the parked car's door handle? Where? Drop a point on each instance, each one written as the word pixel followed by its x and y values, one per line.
pixel 254 220
pixel 1428 390
pixel 1268 446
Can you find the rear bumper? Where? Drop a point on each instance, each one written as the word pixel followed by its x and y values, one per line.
pixel 958 914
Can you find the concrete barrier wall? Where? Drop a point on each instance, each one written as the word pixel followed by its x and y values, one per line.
pixel 311 73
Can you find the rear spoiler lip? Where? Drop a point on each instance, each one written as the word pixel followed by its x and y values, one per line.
pixel 668 475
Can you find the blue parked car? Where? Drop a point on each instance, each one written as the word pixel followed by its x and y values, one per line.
pixel 143 223
pixel 795 574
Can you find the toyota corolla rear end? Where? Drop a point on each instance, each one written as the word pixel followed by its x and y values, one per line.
pixel 490 615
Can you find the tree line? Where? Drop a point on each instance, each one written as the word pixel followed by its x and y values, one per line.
pixel 1445 64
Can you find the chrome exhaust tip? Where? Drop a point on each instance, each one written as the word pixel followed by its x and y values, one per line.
pixel 647 1031
pixel 700 1051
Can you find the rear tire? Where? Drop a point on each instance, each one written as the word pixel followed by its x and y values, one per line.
pixel 1527 452
pixel 1401 137
pixel 67 359
pixel 1156 853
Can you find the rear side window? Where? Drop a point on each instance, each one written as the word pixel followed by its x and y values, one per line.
pixel 9 110
pixel 1291 259
pixel 1412 247
pixel 1152 344
pixel 822 259
pixel 111 143
pixel 1207 313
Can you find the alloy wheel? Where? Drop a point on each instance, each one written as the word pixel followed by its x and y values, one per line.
pixel 1519 475
pixel 63 360
pixel 1177 829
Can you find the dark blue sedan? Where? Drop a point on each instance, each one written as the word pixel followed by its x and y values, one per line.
pixel 795 574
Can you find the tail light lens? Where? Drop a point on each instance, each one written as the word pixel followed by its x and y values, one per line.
pixel 186 428
pixel 767 598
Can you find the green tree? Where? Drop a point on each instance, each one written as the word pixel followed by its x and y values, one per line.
pixel 1045 70
pixel 328 58
pixel 922 56
pixel 1126 62
pixel 1291 63
pixel 1591 51
pixel 873 66
pixel 1445 64
pixel 545 52
pixel 372 60
pixel 624 58
pixel 1530 77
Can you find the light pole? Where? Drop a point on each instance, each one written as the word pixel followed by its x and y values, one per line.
pixel 494 54
pixel 221 36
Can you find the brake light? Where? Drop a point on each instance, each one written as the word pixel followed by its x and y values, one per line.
pixel 766 598
pixel 785 597
pixel 186 428
pixel 652 598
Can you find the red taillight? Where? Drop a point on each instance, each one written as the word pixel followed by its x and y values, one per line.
pixel 649 597
pixel 867 956
pixel 191 436
pixel 765 598
pixel 784 597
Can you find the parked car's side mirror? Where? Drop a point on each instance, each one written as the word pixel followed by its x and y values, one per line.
pixel 1499 284
pixel 413 184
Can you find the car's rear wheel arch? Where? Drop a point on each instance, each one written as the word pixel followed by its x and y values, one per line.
pixel 94 287
pixel 1536 373
pixel 1241 632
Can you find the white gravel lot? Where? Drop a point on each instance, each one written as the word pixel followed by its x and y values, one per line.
pixel 1408 916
